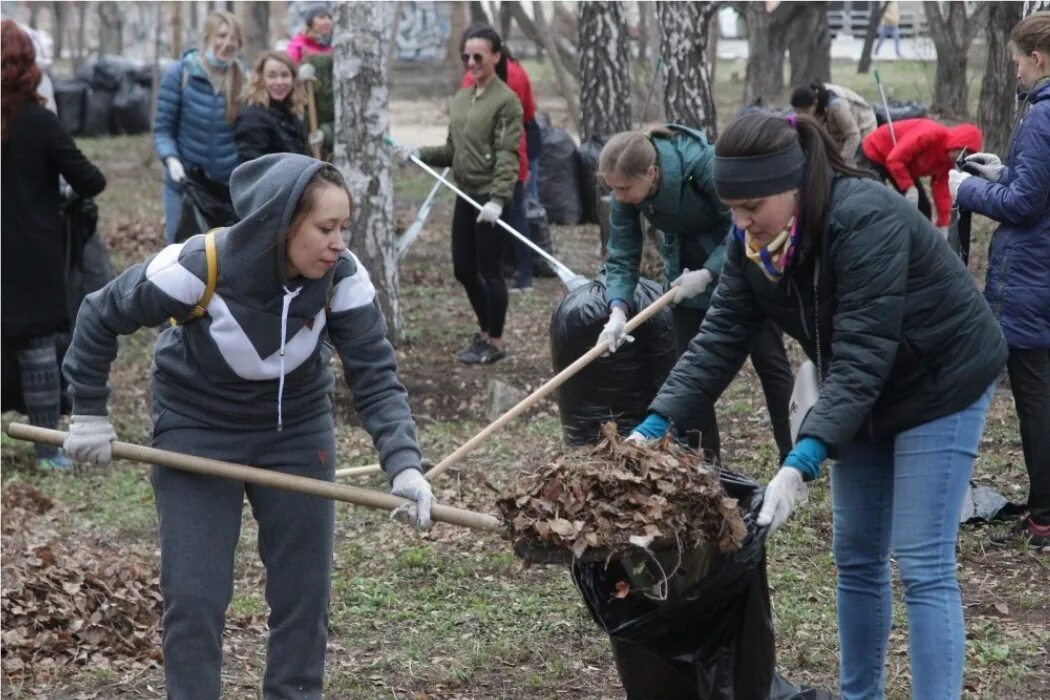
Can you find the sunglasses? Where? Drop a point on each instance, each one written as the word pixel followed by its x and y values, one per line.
pixel 478 58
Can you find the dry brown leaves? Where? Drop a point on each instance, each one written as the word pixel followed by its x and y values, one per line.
pixel 618 494
pixel 71 602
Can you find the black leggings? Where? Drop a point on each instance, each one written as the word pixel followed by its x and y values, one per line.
pixel 477 255
pixel 774 371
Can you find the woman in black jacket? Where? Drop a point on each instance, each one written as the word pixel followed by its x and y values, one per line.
pixel 36 151
pixel 907 352
pixel 272 118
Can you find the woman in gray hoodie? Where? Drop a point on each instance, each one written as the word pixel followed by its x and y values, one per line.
pixel 247 379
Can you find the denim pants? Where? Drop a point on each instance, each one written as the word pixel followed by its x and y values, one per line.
pixel 172 210
pixel 904 495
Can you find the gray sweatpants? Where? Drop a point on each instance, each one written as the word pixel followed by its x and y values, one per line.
pixel 199 521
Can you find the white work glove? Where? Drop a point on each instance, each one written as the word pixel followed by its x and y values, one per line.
pixel 90 439
pixel 316 138
pixel 783 493
pixel 175 170
pixel 307 72
pixel 636 437
pixel 956 178
pixel 691 284
pixel 489 213
pixel 912 195
pixel 613 331
pixel 942 231
pixel 406 153
pixel 985 165
pixel 413 485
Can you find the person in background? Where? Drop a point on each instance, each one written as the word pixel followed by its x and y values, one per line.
pixel 484 135
pixel 665 176
pixel 890 27
pixel 846 115
pixel 271 120
pixel 312 50
pixel 1017 195
pixel 197 105
pixel 518 81
pixel 908 353
pixel 316 36
pixel 249 381
pixel 923 148
pixel 36 151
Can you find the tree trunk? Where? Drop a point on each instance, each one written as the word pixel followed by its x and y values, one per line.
pixel 765 45
pixel 605 89
pixel 506 18
pixel 544 39
pixel 60 12
pixel 477 13
pixel 547 38
pixel 1031 6
pixel 255 28
pixel 687 78
pixel 362 121
pixel 391 47
pixel 998 105
pixel 176 29
pixel 874 20
pixel 458 27
pixel 110 29
pixel 81 48
pixel 809 43
pixel 952 35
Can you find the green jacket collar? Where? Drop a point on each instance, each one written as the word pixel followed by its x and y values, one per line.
pixel 667 198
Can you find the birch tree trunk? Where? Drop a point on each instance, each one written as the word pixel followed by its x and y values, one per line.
pixel 998 106
pixel 362 122
pixel 605 89
pixel 687 76
pixel 953 32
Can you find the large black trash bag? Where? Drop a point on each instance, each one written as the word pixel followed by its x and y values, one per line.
pixel 206 205
pixel 540 234
pixel 98 108
pixel 560 182
pixel 899 111
pixel 130 114
pixel 71 99
pixel 588 153
pixel 618 387
pixel 712 637
pixel 107 72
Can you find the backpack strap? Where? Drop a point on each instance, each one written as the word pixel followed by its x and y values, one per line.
pixel 201 308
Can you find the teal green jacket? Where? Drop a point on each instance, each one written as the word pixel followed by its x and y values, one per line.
pixel 685 209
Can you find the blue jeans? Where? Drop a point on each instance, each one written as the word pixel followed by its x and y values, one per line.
pixel 172 210
pixel 522 253
pixel 904 493
pixel 889 31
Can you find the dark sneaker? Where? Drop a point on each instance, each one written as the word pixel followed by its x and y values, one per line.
pixel 484 354
pixel 1027 530
pixel 471 351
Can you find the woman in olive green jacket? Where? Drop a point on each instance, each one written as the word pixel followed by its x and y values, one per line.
pixel 665 176
pixel 482 148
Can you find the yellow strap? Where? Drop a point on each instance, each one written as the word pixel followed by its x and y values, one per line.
pixel 212 256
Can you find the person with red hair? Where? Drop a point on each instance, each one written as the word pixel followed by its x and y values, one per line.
pixel 36 151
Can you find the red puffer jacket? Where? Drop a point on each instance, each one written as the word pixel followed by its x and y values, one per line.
pixel 922 151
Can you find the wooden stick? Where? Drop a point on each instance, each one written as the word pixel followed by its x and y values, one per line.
pixel 311 109
pixel 263 477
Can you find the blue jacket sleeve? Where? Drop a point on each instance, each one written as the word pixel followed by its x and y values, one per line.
pixel 169 107
pixel 1023 200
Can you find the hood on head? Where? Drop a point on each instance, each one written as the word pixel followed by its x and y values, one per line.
pixel 265 192
pixel 965 136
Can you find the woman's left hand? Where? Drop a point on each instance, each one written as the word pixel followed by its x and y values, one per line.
pixel 413 485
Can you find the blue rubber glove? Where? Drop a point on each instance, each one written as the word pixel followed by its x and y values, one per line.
pixel 652 428
pixel 807 457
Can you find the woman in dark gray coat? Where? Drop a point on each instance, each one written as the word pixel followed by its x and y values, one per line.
pixel 908 353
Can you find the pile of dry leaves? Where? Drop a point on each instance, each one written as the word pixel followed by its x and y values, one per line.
pixel 71 602
pixel 619 494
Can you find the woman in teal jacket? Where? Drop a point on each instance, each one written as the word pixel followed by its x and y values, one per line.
pixel 665 176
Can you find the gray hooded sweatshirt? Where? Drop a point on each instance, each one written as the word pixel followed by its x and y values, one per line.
pixel 258 358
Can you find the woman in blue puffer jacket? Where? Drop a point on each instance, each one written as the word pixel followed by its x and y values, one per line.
pixel 196 108
pixel 1017 195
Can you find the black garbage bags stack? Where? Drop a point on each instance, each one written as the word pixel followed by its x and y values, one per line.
pixel 618 387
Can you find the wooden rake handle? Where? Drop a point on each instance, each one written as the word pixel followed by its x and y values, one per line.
pixel 311 106
pixel 264 477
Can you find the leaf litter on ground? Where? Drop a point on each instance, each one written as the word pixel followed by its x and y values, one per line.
pixel 602 501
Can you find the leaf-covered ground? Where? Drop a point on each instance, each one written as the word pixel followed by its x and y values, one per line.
pixel 453 614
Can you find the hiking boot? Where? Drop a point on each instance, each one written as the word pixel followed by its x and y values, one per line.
pixel 471 350
pixel 60 462
pixel 1027 530
pixel 485 354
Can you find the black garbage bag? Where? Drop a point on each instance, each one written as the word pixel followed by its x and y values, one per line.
pixel 107 73
pixel 540 234
pixel 206 205
pixel 898 110
pixel 71 99
pixel 98 108
pixel 618 387
pixel 959 233
pixel 588 153
pixel 560 184
pixel 130 113
pixel 712 637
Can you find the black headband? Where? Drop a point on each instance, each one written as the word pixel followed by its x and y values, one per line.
pixel 752 177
